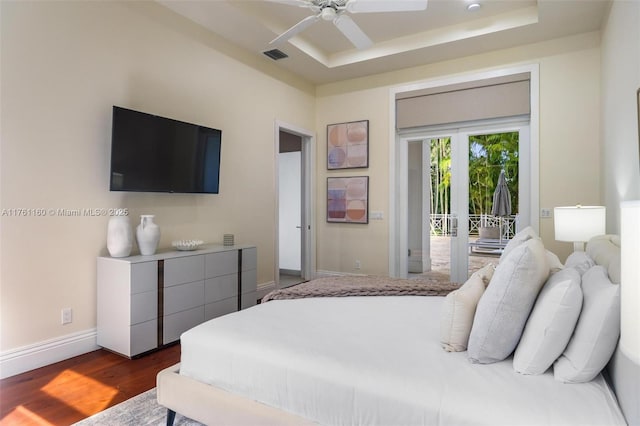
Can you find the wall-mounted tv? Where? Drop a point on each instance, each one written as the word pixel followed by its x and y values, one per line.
pixel 156 154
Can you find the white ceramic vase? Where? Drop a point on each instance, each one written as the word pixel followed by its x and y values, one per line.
pixel 119 236
pixel 148 235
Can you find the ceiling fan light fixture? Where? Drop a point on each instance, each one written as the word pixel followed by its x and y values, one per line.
pixel 328 13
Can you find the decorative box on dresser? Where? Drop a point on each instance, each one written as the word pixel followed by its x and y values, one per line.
pixel 145 302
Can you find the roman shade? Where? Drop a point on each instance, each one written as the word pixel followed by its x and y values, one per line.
pixel 497 97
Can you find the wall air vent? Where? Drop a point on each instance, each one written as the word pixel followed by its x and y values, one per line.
pixel 275 54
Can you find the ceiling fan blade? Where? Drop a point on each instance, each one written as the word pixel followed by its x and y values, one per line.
pixel 299 3
pixel 297 28
pixel 372 6
pixel 352 31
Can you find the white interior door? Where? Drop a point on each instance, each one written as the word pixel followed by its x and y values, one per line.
pixel 290 210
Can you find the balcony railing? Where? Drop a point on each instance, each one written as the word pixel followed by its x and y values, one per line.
pixel 440 224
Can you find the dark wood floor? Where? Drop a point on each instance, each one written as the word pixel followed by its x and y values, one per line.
pixel 71 390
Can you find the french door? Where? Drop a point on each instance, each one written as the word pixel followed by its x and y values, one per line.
pixel 434 215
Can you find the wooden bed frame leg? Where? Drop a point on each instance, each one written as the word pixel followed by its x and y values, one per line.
pixel 171 416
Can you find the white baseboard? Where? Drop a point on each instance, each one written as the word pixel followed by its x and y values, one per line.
pixel 38 355
pixel 264 288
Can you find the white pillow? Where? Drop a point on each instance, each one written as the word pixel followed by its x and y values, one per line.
pixel 605 251
pixel 550 324
pixel 554 262
pixel 520 237
pixel 580 261
pixel 459 308
pixel 505 305
pixel 596 333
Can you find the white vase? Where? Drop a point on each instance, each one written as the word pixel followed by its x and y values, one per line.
pixel 148 235
pixel 119 236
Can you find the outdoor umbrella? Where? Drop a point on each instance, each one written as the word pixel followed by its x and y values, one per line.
pixel 501 200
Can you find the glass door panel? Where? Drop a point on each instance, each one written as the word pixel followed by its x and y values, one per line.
pixel 493 194
pixel 440 219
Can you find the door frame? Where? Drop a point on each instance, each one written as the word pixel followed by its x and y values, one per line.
pixel 308 234
pixel 398 211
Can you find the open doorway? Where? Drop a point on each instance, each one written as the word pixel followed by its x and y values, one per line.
pixel 491 222
pixel 290 209
pixel 295 236
pixel 452 222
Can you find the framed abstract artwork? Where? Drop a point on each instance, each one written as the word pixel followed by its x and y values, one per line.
pixel 348 199
pixel 348 145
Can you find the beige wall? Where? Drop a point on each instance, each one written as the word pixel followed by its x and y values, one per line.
pixel 569 150
pixel 620 81
pixel 64 64
pixel 339 245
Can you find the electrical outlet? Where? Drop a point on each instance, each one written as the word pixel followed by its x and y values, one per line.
pixel 357 264
pixel 67 316
pixel 545 212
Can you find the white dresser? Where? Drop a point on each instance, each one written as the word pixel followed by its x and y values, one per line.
pixel 145 302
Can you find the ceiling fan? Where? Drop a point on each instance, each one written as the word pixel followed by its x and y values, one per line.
pixel 338 10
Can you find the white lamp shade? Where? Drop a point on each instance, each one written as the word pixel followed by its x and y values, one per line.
pixel 630 279
pixel 579 223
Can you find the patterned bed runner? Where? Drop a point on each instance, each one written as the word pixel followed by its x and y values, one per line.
pixel 368 285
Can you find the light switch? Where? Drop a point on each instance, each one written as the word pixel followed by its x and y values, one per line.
pixel 376 215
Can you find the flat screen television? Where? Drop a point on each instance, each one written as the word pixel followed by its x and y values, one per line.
pixel 150 153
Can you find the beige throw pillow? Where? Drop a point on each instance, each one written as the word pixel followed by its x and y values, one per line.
pixel 459 308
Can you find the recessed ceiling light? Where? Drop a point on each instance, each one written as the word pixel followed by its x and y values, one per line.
pixel 473 6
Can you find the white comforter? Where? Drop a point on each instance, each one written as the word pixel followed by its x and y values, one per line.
pixel 376 361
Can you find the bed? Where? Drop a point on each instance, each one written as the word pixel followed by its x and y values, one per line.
pixel 372 361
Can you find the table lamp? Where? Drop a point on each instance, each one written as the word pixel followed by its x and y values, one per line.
pixel 578 224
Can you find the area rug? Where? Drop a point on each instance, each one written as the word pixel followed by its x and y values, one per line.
pixel 141 410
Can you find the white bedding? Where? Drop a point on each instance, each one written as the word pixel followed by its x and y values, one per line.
pixel 376 361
